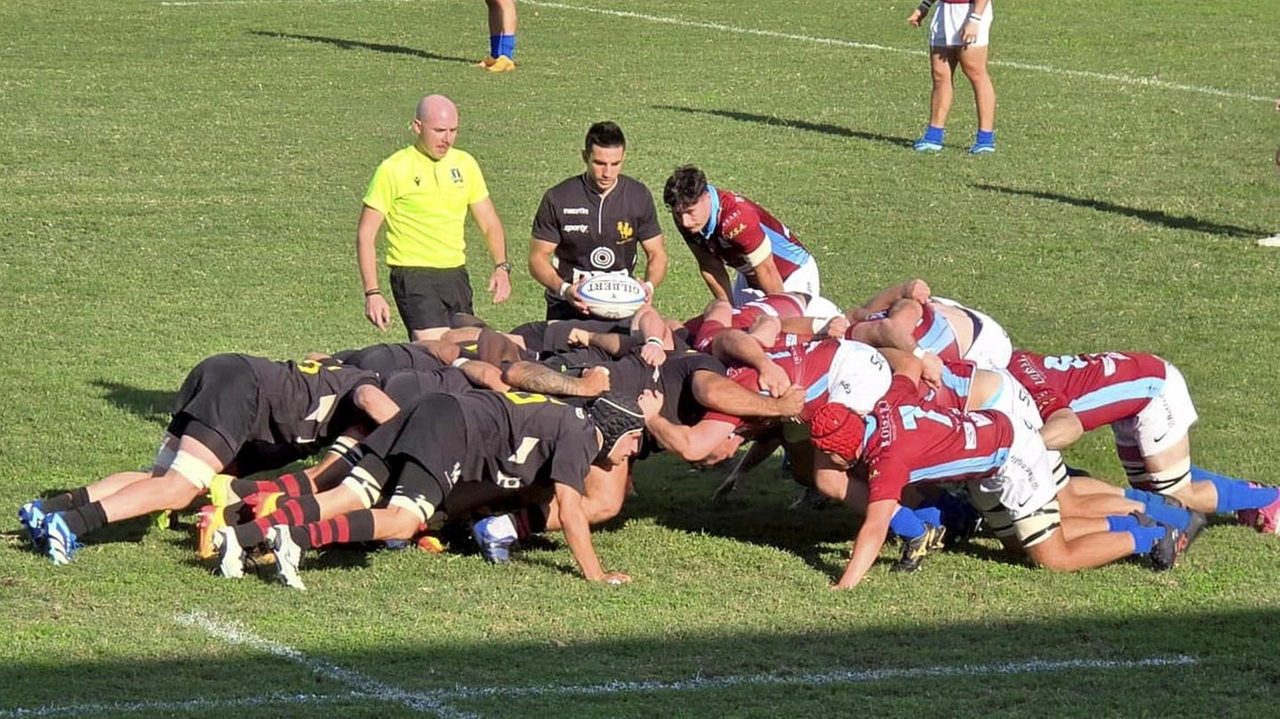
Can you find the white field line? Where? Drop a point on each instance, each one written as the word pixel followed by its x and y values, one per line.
pixel 837 677
pixel 1123 79
pixel 234 634
pixel 186 706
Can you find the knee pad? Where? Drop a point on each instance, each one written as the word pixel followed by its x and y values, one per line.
pixel 165 454
pixel 1039 525
pixel 193 470
pixel 417 505
pixel 1166 481
pixel 364 486
pixel 347 449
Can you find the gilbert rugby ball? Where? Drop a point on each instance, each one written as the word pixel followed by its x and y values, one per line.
pixel 612 296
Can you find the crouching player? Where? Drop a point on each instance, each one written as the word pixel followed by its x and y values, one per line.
pixel 234 413
pixel 906 440
pixel 409 465
pixel 1146 401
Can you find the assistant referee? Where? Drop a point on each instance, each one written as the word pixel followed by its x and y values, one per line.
pixel 423 192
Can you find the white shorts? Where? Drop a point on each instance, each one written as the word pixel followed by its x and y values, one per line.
pixel 1025 482
pixel 948 25
pixel 991 347
pixel 804 279
pixel 859 376
pixel 1163 422
pixel 1014 401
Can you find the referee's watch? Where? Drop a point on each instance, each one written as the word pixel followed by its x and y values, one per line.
pixel 504 265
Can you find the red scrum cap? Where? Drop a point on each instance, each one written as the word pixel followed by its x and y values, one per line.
pixel 836 428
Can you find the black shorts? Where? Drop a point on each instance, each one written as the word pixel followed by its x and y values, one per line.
pixel 558 309
pixel 217 405
pixel 428 297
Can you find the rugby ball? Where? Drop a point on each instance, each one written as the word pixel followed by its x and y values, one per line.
pixel 612 296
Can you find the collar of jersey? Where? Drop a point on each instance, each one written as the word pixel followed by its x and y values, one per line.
pixel 871 429
pixel 713 219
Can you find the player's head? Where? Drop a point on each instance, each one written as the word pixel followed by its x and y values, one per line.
pixel 604 151
pixel 621 425
pixel 436 125
pixel 838 431
pixel 686 195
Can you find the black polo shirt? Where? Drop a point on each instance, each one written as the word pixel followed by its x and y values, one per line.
pixel 594 233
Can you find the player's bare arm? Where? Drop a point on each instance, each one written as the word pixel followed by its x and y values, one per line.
pixel 875 528
pixel 534 377
pixel 721 394
pixel 737 347
pixel 655 267
pixel 713 272
pixel 1061 429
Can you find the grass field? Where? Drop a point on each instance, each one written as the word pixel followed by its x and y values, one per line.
pixel 181 179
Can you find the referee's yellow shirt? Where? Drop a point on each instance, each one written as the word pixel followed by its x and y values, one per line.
pixel 425 204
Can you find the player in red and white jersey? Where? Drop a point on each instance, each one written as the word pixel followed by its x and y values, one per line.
pixel 721 315
pixel 908 317
pixel 724 229
pixel 1146 401
pixel 906 440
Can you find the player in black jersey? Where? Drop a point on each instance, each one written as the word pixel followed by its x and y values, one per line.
pixel 234 414
pixel 591 223
pixel 513 440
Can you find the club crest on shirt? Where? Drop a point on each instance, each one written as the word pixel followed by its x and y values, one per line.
pixel 456 174
pixel 625 233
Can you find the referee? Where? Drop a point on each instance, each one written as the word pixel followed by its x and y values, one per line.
pixel 424 192
pixel 591 223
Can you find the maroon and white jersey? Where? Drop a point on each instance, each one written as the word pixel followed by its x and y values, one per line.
pixel 909 440
pixel 741 234
pixel 781 305
pixel 1100 388
pixel 850 372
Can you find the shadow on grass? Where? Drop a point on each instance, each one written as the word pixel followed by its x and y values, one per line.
pixel 1154 217
pixel 791 123
pixel 1175 663
pixel 358 45
pixel 150 404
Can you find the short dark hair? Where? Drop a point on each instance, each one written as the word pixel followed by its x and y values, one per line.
pixel 684 187
pixel 605 134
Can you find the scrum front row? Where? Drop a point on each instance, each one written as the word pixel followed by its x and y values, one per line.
pixel 915 410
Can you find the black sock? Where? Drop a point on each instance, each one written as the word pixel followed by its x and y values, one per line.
pixel 63 502
pixel 87 518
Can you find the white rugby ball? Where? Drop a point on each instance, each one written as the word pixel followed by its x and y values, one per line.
pixel 612 296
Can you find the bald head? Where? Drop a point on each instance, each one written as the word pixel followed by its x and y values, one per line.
pixel 436 124
pixel 434 107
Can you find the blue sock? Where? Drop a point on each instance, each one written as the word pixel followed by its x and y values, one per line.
pixel 906 524
pixel 929 514
pixel 1122 523
pixel 1236 494
pixel 507 46
pixel 986 137
pixel 1144 538
pixel 493 45
pixel 934 134
pixel 1140 495
pixel 1173 516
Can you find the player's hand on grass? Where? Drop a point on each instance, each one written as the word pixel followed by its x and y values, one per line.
pixel 377 311
pixel 614 578
pixel 500 286
pixel 918 290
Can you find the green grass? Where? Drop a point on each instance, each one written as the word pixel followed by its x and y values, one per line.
pixel 179 181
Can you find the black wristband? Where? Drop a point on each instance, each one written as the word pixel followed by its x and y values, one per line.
pixel 372 292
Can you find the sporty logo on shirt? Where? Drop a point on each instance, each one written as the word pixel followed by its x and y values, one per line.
pixel 575 228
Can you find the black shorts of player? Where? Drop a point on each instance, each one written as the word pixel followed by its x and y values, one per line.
pixel 217 405
pixel 427 296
